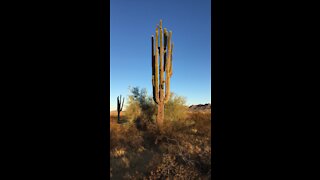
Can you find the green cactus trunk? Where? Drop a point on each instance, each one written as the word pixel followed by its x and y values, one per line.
pixel 119 107
pixel 161 90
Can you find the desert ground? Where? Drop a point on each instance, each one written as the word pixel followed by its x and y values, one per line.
pixel 182 151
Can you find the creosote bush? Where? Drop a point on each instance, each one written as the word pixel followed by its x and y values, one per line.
pixel 176 108
pixel 133 110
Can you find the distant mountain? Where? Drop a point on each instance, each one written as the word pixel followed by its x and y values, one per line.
pixel 200 107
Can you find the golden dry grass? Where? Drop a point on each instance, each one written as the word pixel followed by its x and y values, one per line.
pixel 183 151
pixel 115 113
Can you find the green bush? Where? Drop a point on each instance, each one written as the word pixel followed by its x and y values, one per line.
pixel 142 106
pixel 133 110
pixel 176 108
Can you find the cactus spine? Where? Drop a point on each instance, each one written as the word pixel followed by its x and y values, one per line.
pixel 119 106
pixel 164 51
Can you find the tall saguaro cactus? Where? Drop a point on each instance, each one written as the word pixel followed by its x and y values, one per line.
pixel 119 106
pixel 162 49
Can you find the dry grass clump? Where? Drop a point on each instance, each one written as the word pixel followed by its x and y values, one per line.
pixel 171 168
pixel 124 135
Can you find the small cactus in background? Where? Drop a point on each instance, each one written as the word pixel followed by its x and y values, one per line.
pixel 165 53
pixel 119 106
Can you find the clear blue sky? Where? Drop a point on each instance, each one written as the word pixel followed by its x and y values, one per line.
pixel 132 24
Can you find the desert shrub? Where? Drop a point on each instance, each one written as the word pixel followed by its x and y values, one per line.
pixel 133 110
pixel 176 108
pixel 140 106
pixel 149 109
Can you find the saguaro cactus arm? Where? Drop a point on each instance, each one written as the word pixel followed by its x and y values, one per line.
pixel 168 68
pixel 118 108
pixel 161 64
pixel 122 103
pixel 119 104
pixel 156 69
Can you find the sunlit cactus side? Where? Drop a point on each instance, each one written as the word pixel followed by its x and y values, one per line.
pixel 161 87
pixel 119 106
